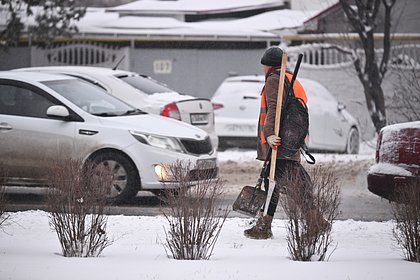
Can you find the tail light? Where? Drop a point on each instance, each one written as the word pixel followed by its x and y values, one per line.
pixel 217 106
pixel 171 110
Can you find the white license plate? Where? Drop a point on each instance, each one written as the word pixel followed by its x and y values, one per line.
pixel 206 163
pixel 241 128
pixel 199 118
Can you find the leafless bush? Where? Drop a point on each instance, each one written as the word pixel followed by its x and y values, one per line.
pixel 311 212
pixel 76 203
pixel 405 102
pixel 4 216
pixel 406 213
pixel 194 215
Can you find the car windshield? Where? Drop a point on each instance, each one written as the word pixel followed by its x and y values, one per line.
pixel 91 98
pixel 145 85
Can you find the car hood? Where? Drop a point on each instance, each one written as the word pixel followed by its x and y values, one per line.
pixel 156 125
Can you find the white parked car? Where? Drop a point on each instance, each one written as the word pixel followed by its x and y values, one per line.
pixel 47 117
pixel 144 93
pixel 237 104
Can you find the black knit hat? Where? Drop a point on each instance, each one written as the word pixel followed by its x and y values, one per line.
pixel 272 57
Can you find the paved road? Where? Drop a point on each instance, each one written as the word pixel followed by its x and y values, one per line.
pixel 356 201
pixel 357 205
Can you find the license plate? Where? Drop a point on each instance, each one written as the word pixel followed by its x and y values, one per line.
pixel 199 118
pixel 206 163
pixel 241 128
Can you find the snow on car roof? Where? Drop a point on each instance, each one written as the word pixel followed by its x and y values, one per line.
pixel 32 76
pixel 247 78
pixel 399 126
pixel 390 131
pixel 261 79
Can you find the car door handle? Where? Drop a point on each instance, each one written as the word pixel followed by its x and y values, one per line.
pixel 250 97
pixel 5 126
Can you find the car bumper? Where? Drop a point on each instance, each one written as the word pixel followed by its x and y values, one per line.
pixel 388 185
pixel 235 127
pixel 146 158
pixel 237 142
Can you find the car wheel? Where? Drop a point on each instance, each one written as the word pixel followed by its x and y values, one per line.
pixel 125 177
pixel 353 142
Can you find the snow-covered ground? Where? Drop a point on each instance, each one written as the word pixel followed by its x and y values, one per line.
pixel 29 249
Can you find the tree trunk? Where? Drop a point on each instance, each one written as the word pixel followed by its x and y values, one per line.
pixel 363 19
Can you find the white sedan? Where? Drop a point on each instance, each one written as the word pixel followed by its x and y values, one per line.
pixel 144 93
pixel 46 117
pixel 237 103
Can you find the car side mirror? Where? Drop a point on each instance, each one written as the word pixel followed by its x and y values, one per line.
pixel 340 106
pixel 58 111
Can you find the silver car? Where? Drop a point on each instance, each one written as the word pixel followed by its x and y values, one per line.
pixel 237 102
pixel 46 117
pixel 144 93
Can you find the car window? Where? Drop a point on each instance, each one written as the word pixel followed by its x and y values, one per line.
pixel 90 98
pixel 240 88
pixel 96 83
pixel 20 101
pixel 145 85
pixel 316 92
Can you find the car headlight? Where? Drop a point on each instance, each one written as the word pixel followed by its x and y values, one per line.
pixel 168 143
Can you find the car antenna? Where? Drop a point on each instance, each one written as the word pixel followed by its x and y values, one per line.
pixel 116 66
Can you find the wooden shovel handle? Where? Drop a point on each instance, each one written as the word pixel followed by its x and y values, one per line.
pixel 278 113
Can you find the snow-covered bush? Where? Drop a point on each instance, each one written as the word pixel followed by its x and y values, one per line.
pixel 311 211
pixel 194 214
pixel 76 202
pixel 406 213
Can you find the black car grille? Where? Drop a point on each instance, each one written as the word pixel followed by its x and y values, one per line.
pixel 197 147
pixel 203 174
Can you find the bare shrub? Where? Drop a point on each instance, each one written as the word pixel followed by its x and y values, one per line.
pixel 4 216
pixel 194 214
pixel 311 211
pixel 405 102
pixel 76 202
pixel 406 213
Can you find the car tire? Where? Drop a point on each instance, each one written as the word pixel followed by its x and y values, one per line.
pixel 126 180
pixel 353 142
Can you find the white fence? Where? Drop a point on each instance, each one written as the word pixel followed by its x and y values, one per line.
pixel 331 56
pixel 81 53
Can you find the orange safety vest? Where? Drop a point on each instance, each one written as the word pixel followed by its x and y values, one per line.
pixel 299 93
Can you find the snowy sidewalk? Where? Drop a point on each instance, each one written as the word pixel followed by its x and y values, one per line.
pixel 29 249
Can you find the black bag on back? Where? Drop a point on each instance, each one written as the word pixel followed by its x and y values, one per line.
pixel 294 123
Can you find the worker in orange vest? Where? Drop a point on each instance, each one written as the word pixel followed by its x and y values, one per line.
pixel 271 63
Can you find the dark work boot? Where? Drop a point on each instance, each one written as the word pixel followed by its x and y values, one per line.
pixel 261 230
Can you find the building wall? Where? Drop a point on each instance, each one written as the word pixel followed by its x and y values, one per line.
pixel 15 58
pixel 197 72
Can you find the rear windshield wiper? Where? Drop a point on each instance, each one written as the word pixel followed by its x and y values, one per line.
pixel 133 112
pixel 106 114
pixel 115 114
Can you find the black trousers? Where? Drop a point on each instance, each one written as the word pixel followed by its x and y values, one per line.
pixel 286 171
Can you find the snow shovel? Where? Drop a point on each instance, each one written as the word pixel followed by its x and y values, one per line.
pixel 272 181
pixel 251 199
